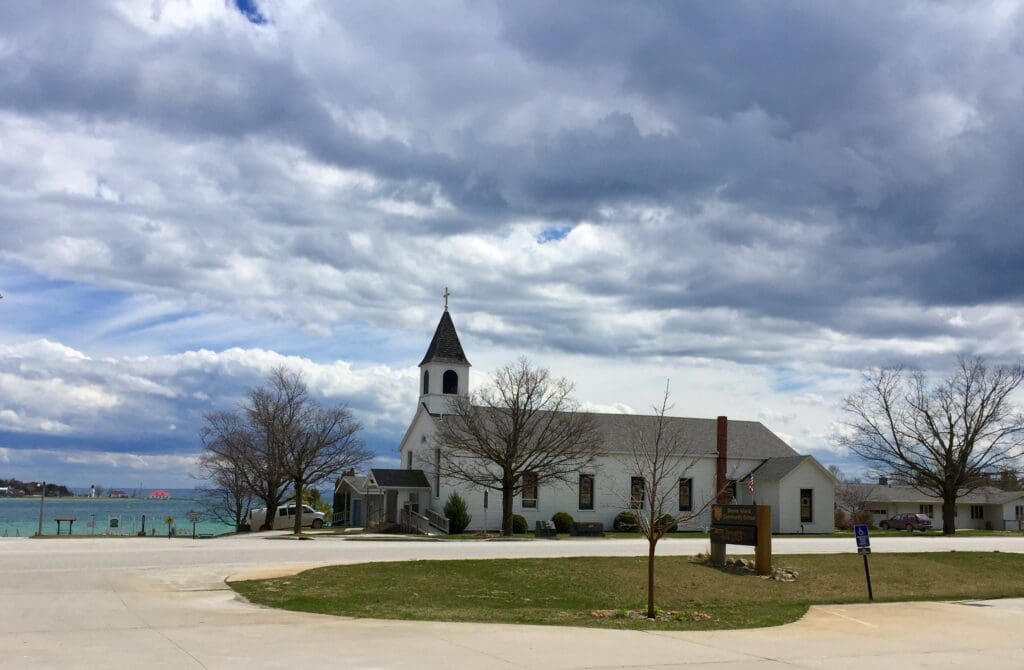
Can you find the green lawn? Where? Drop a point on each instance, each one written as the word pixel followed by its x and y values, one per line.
pixel 566 591
pixel 698 535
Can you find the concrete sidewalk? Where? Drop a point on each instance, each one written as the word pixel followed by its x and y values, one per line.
pixel 131 604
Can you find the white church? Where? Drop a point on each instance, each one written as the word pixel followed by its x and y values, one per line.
pixel 800 491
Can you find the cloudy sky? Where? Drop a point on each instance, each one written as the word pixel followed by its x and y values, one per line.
pixel 754 201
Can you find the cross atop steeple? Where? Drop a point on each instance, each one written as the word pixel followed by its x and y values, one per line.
pixel 445 296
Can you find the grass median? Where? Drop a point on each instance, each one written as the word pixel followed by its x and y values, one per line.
pixel 599 591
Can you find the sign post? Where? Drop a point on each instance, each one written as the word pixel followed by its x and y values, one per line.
pixel 42 499
pixel 193 517
pixel 750 525
pixel 860 532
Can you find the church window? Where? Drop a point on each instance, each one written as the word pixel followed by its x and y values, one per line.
pixel 685 494
pixel 636 492
pixel 426 382
pixel 730 490
pixel 450 382
pixel 408 460
pixel 586 492
pixel 806 505
pixel 530 490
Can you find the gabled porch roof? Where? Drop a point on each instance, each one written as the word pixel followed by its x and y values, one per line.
pixel 397 479
pixel 379 480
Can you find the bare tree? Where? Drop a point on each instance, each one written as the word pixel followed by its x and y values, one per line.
pixel 524 422
pixel 1008 479
pixel 273 414
pixel 852 496
pixel 939 437
pixel 228 497
pixel 279 439
pixel 658 456
pixel 322 442
pixel 235 449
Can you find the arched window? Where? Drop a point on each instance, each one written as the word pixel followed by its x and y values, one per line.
pixel 426 382
pixel 450 382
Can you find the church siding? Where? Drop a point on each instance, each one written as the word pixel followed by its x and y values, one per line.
pixel 750 445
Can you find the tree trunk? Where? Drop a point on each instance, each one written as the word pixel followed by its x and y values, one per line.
pixel 507 486
pixel 949 514
pixel 298 507
pixel 651 543
pixel 268 521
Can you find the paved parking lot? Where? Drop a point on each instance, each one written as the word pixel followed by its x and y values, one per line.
pixel 113 603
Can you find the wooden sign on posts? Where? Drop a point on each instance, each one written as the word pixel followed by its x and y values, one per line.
pixel 749 525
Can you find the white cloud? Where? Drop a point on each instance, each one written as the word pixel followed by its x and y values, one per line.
pixel 184 194
pixel 43 388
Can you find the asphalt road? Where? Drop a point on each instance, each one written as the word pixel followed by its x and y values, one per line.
pixel 157 603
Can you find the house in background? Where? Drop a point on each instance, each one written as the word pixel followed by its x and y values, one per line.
pixel 984 508
pixel 799 490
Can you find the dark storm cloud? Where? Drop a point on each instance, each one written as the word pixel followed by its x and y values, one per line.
pixel 807 170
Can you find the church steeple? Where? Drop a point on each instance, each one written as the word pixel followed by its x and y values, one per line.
pixel 444 368
pixel 445 346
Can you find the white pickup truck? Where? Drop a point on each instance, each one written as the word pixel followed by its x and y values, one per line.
pixel 285 517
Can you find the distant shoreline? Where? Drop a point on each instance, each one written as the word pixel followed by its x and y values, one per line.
pixel 98 499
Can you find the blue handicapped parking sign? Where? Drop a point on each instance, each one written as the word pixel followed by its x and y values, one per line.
pixel 860 532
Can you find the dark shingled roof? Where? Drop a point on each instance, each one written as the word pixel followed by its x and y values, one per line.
pixel 747 439
pixel 774 469
pixel 445 347
pixel 406 479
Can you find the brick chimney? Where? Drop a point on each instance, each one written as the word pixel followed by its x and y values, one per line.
pixel 722 441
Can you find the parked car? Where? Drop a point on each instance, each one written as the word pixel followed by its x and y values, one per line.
pixel 909 522
pixel 285 517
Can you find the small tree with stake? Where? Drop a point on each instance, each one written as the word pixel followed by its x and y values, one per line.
pixel 658 455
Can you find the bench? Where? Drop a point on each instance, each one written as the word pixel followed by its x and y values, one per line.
pixel 544 529
pixel 61 518
pixel 587 529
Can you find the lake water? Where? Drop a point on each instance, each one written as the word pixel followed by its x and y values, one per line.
pixel 20 516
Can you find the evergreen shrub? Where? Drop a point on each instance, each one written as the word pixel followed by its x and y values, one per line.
pixel 626 521
pixel 457 512
pixel 563 522
pixel 519 525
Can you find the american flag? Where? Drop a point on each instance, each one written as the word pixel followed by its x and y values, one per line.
pixel 750 483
